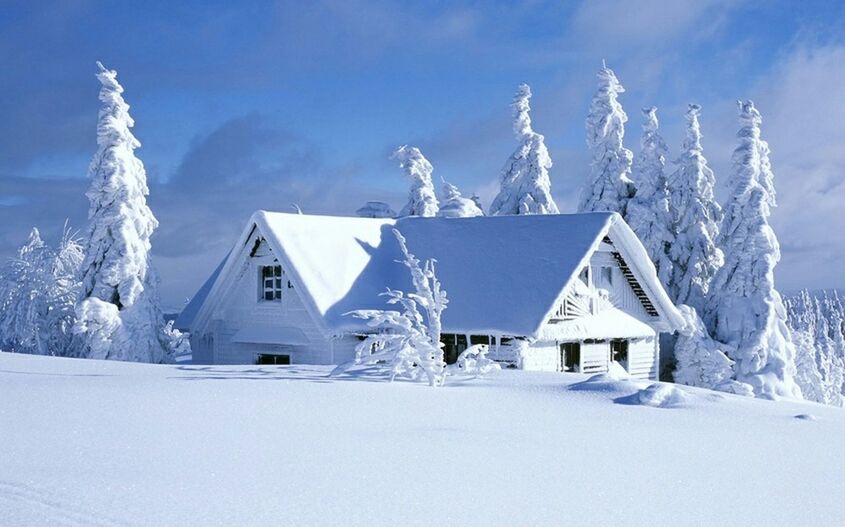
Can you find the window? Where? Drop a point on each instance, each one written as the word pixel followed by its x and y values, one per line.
pixel 606 276
pixel 266 358
pixel 619 351
pixel 454 345
pixel 271 282
pixel 570 356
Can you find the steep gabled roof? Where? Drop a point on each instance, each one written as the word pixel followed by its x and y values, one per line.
pixel 503 274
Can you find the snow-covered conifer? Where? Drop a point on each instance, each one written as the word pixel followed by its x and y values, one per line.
pixel 819 371
pixel 648 211
pixel 525 183
pixel 609 186
pixel 747 311
pixel 407 342
pixel 696 216
pixel 117 268
pixel 421 201
pixel 376 209
pixel 700 361
pixel 454 205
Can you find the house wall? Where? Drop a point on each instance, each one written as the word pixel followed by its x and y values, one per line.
pixel 241 306
pixel 643 360
pixel 541 356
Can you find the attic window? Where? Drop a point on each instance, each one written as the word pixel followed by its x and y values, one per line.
pixel 271 283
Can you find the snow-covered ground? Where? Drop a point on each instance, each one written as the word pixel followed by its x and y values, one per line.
pixel 86 442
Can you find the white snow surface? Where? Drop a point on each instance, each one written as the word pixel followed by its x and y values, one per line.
pixel 89 442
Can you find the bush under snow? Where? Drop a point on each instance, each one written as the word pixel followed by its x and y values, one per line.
pixel 406 342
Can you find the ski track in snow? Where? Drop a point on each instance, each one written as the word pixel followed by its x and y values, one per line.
pixel 54 510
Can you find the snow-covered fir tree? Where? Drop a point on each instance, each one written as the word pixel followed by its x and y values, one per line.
pixel 648 211
pixel 38 290
pixel 746 310
pixel 422 200
pixel 118 316
pixel 832 364
pixel 696 215
pixel 801 317
pixel 525 184
pixel 407 342
pixel 609 186
pixel 700 361
pixel 454 205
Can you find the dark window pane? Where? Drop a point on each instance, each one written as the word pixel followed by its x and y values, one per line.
pixel 268 295
pixel 278 295
pixel 267 272
pixel 278 270
pixel 278 283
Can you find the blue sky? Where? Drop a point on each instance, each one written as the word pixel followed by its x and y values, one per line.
pixel 246 105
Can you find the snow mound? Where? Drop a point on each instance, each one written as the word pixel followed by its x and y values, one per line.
pixel 607 383
pixel 806 417
pixel 663 396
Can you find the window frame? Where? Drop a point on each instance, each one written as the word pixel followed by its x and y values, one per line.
pixel 276 280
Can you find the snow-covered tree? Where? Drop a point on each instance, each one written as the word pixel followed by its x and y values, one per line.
pixel 696 216
pixel 37 294
pixel 820 372
pixel 407 342
pixel 746 310
pixel 700 361
pixel 525 184
pixel 454 205
pixel 421 201
pixel 376 209
pixel 117 270
pixel 648 211
pixel 609 186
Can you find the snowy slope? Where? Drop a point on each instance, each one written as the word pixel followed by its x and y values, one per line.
pixel 99 443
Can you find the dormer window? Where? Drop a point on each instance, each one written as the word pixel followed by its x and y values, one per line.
pixel 271 283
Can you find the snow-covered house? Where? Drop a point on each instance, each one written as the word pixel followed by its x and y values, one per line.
pixel 565 292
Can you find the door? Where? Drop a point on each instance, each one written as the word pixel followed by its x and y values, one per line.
pixel 570 356
pixel 619 352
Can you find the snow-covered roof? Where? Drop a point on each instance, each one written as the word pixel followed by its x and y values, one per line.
pixel 503 274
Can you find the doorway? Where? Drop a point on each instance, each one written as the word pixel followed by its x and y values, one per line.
pixel 570 356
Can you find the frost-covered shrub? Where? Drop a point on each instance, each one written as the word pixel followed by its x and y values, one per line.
pixel 38 290
pixel 473 362
pixel 525 183
pixel 407 342
pixel 700 361
pixel 421 199
pixel 609 186
pixel 454 205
